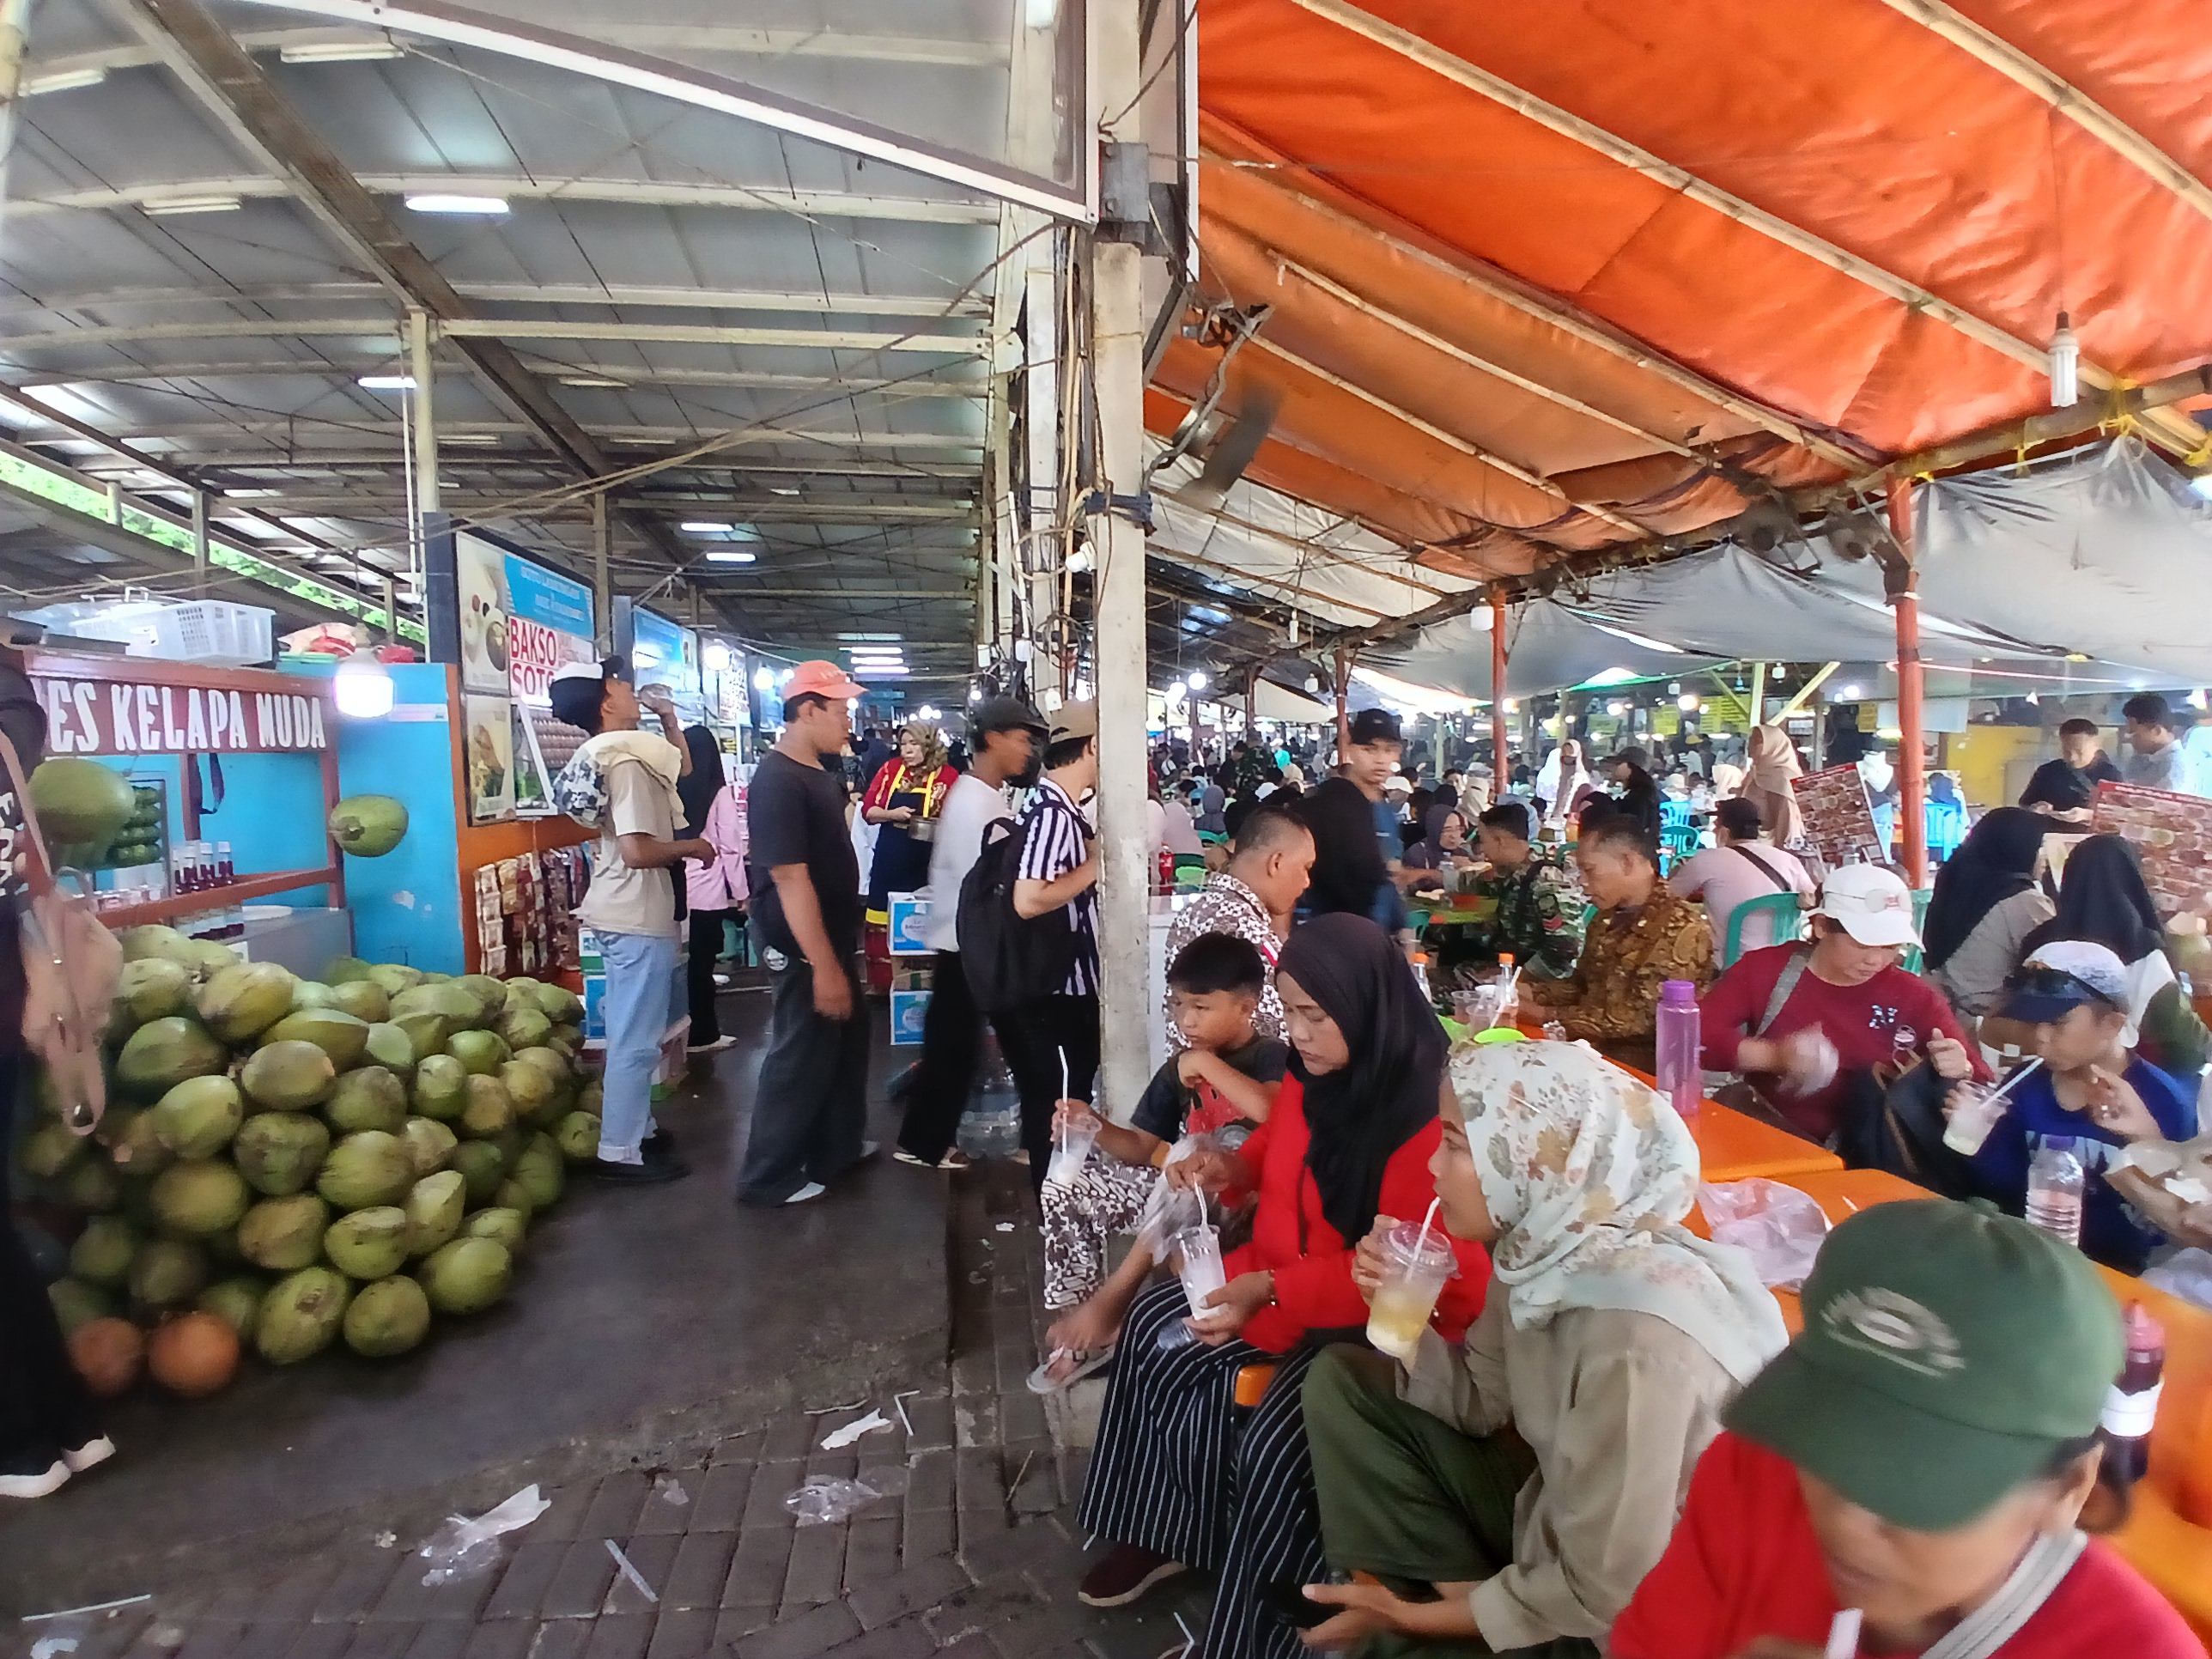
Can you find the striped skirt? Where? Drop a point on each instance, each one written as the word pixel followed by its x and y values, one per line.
pixel 1180 1470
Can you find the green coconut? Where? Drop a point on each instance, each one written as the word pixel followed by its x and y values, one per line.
pixel 522 992
pixel 487 1109
pixel 342 1036
pixel 435 1207
pixel 534 1094
pixel 592 1098
pixel 466 1276
pixel 81 803
pixel 502 1227
pixel 548 1059
pixel 200 1198
pixel 481 1052
pixel 167 1272
pixel 366 1170
pixel 561 1006
pixel 284 1234
pixel 454 1005
pixel 364 998
pixel 430 1144
pixel 393 977
pixel 426 1034
pixel 104 1251
pixel 369 1243
pixel 246 999
pixel 577 1135
pixel 512 1194
pixel 287 1075
pixel 199 1117
pixel 481 1166
pixel 368 826
pixel 367 1098
pixel 50 1149
pixel 489 992
pixel 75 1302
pixel 128 1133
pixel 391 1047
pixel 300 1315
pixel 523 1028
pixel 91 1185
pixel 162 1052
pixel 541 1171
pixel 440 1088
pixel 204 958
pixel 388 1317
pixel 236 1301
pixel 153 940
pixel 153 987
pixel 312 994
pixel 279 1152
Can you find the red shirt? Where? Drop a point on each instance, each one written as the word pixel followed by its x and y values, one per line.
pixel 1744 1563
pixel 1309 1258
pixel 1864 1021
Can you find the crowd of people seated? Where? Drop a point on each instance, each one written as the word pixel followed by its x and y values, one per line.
pixel 1604 1441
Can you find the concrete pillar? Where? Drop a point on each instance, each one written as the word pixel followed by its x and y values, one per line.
pixel 1117 338
pixel 603 601
pixel 426 418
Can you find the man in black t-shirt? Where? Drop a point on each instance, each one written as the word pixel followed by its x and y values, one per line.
pixel 2067 788
pixel 812 1102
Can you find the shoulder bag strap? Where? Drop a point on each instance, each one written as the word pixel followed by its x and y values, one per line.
pixel 1792 971
pixel 1983 1632
pixel 1780 882
pixel 39 871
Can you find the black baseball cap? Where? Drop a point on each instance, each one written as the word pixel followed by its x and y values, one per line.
pixel 1375 725
pixel 579 688
pixel 1003 713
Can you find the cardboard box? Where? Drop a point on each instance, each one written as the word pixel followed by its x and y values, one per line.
pixel 909 914
pixel 909 1009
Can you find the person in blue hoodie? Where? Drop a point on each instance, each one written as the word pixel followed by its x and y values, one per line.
pixel 2091 1088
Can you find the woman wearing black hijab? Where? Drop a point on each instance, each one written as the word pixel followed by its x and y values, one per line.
pixel 2103 899
pixel 1985 903
pixel 1181 1478
pixel 713 813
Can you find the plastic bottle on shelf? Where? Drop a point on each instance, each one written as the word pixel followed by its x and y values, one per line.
pixel 2054 1190
pixel 226 872
pixel 1680 1069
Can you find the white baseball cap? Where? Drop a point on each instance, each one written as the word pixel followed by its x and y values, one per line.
pixel 1870 904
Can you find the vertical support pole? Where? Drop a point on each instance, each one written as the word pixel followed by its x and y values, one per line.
pixel 1911 762
pixel 1343 699
pixel 1251 704
pixel 426 418
pixel 200 542
pixel 1501 767
pixel 1125 1004
pixel 114 502
pixel 1757 705
pixel 603 601
pixel 391 612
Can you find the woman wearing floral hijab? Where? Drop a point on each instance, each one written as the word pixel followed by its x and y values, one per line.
pixel 1610 1342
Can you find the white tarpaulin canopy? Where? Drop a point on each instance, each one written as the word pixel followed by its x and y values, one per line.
pixel 1278 703
pixel 1548 647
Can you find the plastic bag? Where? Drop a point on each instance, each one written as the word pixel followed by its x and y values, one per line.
pixel 1167 1212
pixel 1778 1227
pixel 462 1548
pixel 825 1500
pixel 2185 1273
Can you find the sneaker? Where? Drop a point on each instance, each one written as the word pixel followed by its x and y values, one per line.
pixel 1126 1573
pixel 650 1173
pixel 714 1048
pixel 808 1194
pixel 91 1454
pixel 33 1475
pixel 659 1144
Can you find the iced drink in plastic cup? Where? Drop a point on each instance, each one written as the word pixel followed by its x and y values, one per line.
pixel 1978 1109
pixel 1411 1284
pixel 1200 1270
pixel 1071 1150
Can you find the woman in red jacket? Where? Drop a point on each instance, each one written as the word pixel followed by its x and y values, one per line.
pixel 1181 1478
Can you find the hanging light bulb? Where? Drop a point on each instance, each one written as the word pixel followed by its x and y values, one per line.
pixel 362 686
pixel 2065 364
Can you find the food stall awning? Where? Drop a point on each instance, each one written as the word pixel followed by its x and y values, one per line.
pixel 1548 648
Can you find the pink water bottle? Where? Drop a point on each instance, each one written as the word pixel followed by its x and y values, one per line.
pixel 1681 1067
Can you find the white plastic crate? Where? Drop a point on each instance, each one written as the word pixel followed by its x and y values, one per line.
pixel 216 632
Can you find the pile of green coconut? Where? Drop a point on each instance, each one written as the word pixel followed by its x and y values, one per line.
pixel 313 1161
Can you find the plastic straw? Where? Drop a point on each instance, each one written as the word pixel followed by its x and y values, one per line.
pixel 2005 1088
pixel 1504 995
pixel 1058 1137
pixel 1844 1635
pixel 1427 1222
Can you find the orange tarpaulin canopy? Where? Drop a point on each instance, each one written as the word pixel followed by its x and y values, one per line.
pixel 1547 276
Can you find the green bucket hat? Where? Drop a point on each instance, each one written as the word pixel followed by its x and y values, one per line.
pixel 1947 1353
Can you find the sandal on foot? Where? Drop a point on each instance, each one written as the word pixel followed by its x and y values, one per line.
pixel 1043 1382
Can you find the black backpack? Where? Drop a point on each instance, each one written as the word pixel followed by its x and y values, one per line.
pixel 1007 958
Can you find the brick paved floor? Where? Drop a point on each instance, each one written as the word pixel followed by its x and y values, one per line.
pixel 971 1551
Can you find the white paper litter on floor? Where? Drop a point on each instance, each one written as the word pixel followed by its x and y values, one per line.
pixel 838 1439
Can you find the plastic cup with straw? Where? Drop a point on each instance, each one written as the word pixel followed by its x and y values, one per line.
pixel 1415 1265
pixel 1070 1147
pixel 1978 1110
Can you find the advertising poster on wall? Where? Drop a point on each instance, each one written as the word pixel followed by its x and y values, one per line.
pixel 480 569
pixel 550 626
pixel 2174 835
pixel 662 653
pixel 488 756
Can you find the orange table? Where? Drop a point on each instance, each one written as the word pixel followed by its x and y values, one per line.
pixel 1733 1147
pixel 2169 1538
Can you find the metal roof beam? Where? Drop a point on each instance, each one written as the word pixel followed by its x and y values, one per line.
pixel 466 324
pixel 2085 112
pixel 466 25
pixel 627 377
pixel 2169 427
pixel 291 430
pixel 630 193
pixel 552 294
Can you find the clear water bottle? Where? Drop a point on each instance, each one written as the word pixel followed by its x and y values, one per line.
pixel 1681 1068
pixel 2054 1190
pixel 1421 977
